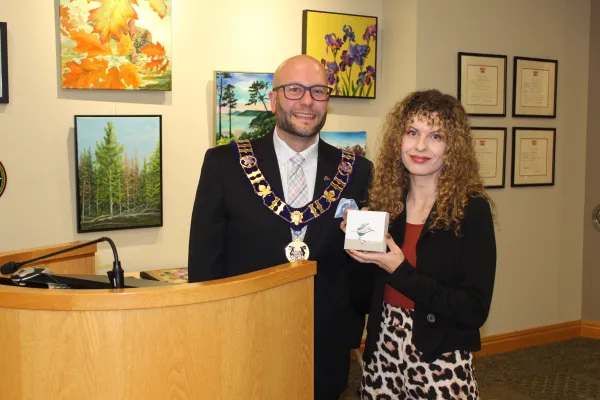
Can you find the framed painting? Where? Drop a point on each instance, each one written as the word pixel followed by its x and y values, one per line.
pixel 355 141
pixel 490 149
pixel 3 63
pixel 482 84
pixel 346 45
pixel 533 156
pixel 118 172
pixel 115 44
pixel 534 87
pixel 242 107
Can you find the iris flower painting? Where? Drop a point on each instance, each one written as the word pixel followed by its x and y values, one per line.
pixel 346 45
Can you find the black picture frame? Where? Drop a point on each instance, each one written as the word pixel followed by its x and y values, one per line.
pixel 488 107
pixel 323 51
pixel 124 189
pixel 539 175
pixel 532 104
pixel 3 63
pixel 499 134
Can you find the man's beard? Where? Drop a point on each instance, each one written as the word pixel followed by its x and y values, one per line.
pixel 283 120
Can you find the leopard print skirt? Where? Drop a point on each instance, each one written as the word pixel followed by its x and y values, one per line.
pixel 395 371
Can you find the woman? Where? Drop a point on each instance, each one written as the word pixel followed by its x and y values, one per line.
pixel 433 289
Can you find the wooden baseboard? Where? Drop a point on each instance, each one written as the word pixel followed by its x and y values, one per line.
pixel 529 337
pixel 534 337
pixel 590 329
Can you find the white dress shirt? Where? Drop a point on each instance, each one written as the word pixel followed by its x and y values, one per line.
pixel 309 166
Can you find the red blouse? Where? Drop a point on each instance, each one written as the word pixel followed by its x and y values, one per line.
pixel 390 295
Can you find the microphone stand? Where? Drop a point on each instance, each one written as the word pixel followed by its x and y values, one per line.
pixel 116 276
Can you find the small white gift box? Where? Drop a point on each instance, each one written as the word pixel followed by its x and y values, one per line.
pixel 365 230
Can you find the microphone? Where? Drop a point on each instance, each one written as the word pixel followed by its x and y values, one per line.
pixel 116 276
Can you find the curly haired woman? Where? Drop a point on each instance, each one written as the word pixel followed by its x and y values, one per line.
pixel 433 288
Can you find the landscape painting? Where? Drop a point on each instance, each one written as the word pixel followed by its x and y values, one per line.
pixel 118 171
pixel 346 45
pixel 242 106
pixel 354 141
pixel 115 44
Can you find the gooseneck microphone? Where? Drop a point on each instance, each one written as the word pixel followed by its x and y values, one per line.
pixel 116 276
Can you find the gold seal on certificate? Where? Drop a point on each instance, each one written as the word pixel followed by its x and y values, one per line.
pixel 297 250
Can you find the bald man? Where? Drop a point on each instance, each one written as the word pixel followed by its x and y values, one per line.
pixel 233 230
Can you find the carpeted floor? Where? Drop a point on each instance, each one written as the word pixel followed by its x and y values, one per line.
pixel 568 370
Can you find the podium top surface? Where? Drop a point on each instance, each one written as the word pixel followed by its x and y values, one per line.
pixel 154 297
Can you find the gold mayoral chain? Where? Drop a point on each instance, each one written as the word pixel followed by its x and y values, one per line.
pixel 296 218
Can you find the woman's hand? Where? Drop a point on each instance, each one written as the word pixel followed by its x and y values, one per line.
pixel 343 223
pixel 387 261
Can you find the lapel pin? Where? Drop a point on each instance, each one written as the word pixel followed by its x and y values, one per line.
pixel 326 178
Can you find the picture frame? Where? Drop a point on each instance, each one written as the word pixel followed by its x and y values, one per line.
pixel 482 84
pixel 534 87
pixel 490 148
pixel 116 46
pixel 248 94
pixel 346 45
pixel 533 156
pixel 118 172
pixel 3 63
pixel 355 141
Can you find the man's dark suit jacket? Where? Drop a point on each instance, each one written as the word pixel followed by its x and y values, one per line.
pixel 233 233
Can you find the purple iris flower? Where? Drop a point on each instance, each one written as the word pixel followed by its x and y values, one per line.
pixel 370 32
pixel 348 33
pixel 332 70
pixel 366 76
pixel 358 53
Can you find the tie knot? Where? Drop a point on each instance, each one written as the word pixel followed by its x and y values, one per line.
pixel 297 159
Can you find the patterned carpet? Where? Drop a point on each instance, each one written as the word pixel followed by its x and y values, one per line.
pixel 568 370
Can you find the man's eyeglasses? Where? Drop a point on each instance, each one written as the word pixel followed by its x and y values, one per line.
pixel 294 91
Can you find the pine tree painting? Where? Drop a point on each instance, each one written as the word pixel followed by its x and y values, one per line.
pixel 119 176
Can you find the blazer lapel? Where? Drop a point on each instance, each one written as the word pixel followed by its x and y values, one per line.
pixel 264 150
pixel 326 170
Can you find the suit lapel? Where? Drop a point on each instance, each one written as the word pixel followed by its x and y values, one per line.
pixel 264 150
pixel 328 158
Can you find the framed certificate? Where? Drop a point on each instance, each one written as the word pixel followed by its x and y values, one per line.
pixel 533 155
pixel 482 84
pixel 490 148
pixel 534 87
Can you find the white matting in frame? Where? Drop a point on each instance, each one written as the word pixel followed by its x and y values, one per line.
pixel 482 84
pixel 490 148
pixel 534 87
pixel 533 156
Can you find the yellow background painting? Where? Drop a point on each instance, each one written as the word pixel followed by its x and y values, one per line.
pixel 349 57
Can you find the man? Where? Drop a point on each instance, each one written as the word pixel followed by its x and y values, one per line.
pixel 233 232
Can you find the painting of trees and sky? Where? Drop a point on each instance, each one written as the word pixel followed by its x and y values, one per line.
pixel 242 106
pixel 119 176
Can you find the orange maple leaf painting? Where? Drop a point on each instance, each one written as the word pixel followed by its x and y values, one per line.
pixel 89 43
pixel 125 45
pixel 113 80
pixel 66 25
pixel 86 75
pixel 130 75
pixel 116 44
pixel 159 6
pixel 154 50
pixel 111 18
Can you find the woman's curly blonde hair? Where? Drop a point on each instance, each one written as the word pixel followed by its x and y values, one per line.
pixel 459 178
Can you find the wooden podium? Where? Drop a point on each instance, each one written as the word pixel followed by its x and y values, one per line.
pixel 247 337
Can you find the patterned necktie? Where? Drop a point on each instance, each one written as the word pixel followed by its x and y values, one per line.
pixel 297 189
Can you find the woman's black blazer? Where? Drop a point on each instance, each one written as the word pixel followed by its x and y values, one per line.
pixel 452 285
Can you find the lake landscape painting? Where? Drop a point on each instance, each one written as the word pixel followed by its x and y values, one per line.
pixel 242 106
pixel 354 141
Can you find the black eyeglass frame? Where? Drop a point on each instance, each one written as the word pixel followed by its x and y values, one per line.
pixel 309 88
